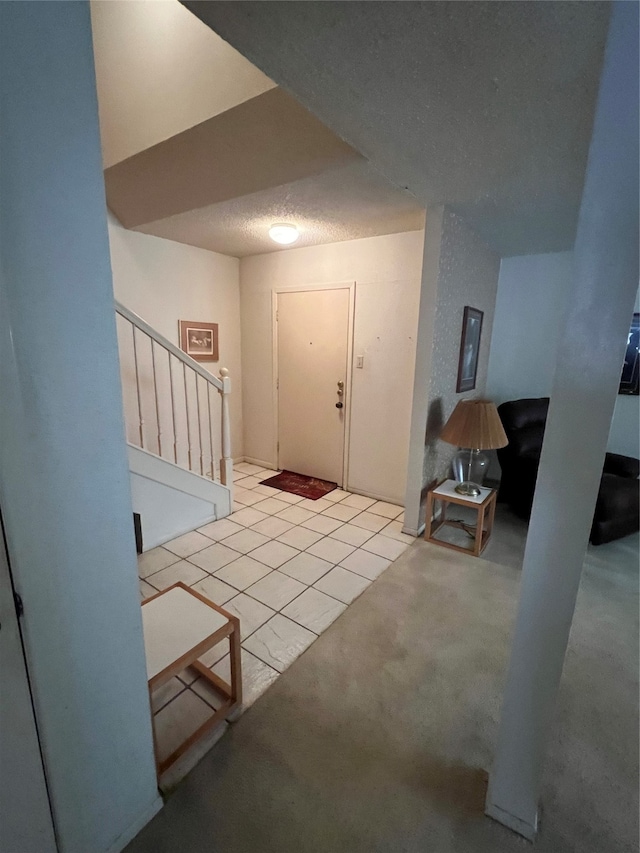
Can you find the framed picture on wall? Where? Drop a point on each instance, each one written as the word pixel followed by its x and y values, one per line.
pixel 469 349
pixel 199 340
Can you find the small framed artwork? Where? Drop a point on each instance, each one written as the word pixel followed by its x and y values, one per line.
pixel 469 349
pixel 199 340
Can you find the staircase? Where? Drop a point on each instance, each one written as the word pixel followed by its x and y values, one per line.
pixel 178 433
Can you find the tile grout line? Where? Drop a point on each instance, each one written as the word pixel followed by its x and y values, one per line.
pixel 296 597
pixel 272 539
pixel 240 554
pixel 299 551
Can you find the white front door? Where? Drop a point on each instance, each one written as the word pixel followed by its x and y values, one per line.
pixel 313 388
pixel 25 817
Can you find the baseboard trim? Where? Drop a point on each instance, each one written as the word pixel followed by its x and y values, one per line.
pixel 515 824
pixel 375 496
pixel 130 833
pixel 411 531
pixel 253 461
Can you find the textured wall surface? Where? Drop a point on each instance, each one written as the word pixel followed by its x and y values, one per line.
pixel 467 275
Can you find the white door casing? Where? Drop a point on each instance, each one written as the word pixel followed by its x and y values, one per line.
pixel 313 332
pixel 25 815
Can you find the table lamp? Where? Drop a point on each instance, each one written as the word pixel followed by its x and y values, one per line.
pixel 476 425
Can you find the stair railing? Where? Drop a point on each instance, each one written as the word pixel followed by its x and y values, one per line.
pixel 169 408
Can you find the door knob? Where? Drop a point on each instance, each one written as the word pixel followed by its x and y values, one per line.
pixel 340 384
pixel 339 405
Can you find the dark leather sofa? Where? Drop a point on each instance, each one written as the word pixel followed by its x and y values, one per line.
pixel 617 510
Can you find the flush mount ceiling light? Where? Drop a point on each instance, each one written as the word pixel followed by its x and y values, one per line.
pixel 283 233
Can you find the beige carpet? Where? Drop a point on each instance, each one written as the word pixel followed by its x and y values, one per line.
pixel 378 739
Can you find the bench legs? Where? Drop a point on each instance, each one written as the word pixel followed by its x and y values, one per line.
pixel 231 693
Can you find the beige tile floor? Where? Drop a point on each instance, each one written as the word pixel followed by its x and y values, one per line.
pixel 286 566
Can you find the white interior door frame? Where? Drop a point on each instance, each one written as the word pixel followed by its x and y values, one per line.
pixel 341 285
pixel 26 821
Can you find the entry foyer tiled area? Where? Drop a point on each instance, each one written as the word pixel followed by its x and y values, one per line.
pixel 286 566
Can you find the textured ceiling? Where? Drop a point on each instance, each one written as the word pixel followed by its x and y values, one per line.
pixel 342 204
pixel 200 147
pixel 484 106
pixel 264 142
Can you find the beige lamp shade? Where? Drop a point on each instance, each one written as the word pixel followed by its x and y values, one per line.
pixel 475 424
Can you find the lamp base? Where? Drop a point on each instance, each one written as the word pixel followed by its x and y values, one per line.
pixel 470 466
pixel 470 490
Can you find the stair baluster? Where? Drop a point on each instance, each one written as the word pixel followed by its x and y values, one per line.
pixel 150 381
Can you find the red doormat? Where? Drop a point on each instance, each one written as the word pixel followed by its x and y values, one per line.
pixel 300 484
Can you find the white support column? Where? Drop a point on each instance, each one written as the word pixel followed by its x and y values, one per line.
pixel 582 401
pixel 64 478
pixel 226 461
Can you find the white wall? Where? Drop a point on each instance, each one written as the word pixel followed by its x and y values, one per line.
pixel 584 389
pixel 160 71
pixel 170 500
pixel 166 512
pixel 530 305
pixel 387 273
pixel 459 270
pixel 64 480
pixel 532 300
pixel 164 282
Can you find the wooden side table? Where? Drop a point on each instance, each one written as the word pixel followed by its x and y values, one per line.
pixel 484 504
pixel 179 626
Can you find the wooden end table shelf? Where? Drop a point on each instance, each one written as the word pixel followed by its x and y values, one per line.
pixel 484 504
pixel 179 626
